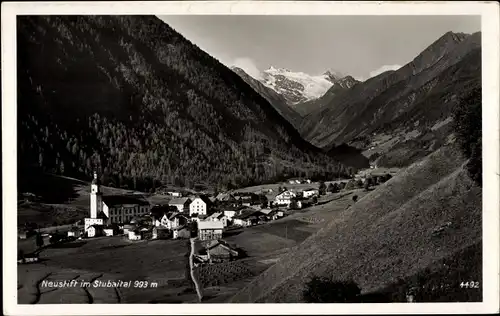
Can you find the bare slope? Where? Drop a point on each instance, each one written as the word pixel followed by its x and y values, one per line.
pixel 386 235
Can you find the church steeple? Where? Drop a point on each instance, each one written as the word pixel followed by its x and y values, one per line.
pixel 95 197
pixel 96 179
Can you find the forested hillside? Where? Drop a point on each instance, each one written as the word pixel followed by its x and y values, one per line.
pixel 275 99
pixel 130 97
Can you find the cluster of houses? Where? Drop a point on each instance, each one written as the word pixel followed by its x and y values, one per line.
pixel 201 215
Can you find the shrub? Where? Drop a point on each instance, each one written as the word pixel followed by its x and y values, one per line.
pixel 351 185
pixel 333 188
pixel 326 290
pixel 355 198
pixel 322 188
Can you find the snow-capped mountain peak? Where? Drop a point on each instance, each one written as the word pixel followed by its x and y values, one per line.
pixel 298 87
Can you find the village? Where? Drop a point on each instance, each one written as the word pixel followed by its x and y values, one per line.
pixel 204 224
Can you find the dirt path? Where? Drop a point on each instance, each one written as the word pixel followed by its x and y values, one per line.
pixel 191 269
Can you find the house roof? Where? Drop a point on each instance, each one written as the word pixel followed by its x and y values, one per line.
pixel 204 198
pixel 117 200
pixel 246 213
pixel 214 215
pixel 266 211
pixel 210 225
pixel 283 191
pixel 180 201
pixel 310 189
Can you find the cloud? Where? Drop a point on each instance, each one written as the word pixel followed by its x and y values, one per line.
pixel 248 65
pixel 384 69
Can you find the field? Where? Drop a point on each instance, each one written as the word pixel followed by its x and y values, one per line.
pixel 160 262
pixel 387 235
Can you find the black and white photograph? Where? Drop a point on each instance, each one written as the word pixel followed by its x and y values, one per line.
pixel 250 156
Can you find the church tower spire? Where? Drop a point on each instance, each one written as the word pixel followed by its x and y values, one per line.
pixel 95 197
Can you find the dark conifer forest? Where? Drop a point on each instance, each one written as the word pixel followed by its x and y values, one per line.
pixel 131 98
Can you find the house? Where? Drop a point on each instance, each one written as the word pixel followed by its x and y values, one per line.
pixel 134 234
pixel 199 205
pixel 245 217
pixel 225 198
pixel 161 233
pixel 95 230
pixel 171 220
pixel 284 197
pixel 175 194
pixel 127 228
pixel 108 231
pixel 182 204
pixel 181 232
pixel 210 230
pixel 75 232
pixel 307 193
pixel 229 213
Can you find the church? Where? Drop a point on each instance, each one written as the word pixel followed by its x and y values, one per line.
pixel 113 209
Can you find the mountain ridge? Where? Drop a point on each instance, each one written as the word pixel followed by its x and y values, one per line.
pixel 373 113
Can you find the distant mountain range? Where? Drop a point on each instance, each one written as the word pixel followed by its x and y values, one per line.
pixel 132 98
pixel 299 87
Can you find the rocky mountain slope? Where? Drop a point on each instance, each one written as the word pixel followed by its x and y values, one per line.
pixel 298 87
pixel 129 96
pixel 340 86
pixel 274 98
pixel 427 213
pixel 400 116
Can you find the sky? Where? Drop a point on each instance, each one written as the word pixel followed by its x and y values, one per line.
pixel 360 46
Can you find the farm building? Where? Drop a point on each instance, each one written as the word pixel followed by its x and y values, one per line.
pixel 208 230
pixel 161 233
pixel 175 194
pixel 95 230
pixel 182 204
pixel 307 193
pixel 181 233
pixel 29 258
pixel 22 234
pixel 284 197
pixel 219 251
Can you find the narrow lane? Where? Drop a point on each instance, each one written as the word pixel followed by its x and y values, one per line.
pixel 191 268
